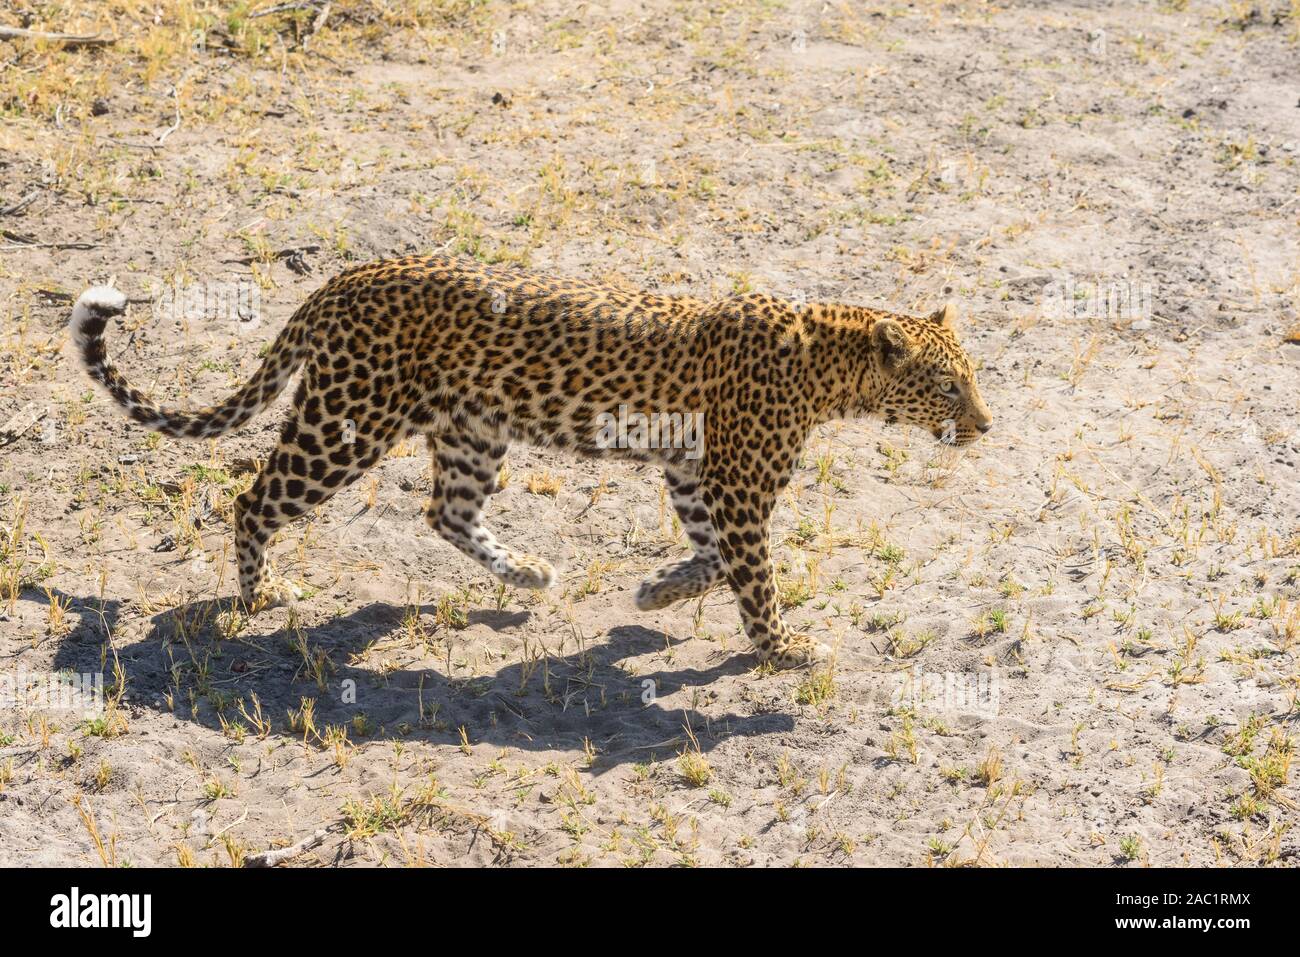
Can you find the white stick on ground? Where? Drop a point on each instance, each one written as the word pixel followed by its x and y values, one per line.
pixel 271 858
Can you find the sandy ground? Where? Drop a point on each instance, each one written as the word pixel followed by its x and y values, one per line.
pixel 1072 644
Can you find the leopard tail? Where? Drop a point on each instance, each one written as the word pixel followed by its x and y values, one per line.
pixel 90 314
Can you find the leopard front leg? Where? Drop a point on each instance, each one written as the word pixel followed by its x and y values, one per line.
pixel 692 576
pixel 466 473
pixel 741 517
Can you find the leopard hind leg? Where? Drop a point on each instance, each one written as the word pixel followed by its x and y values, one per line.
pixel 317 457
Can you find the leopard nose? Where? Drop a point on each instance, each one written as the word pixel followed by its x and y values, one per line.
pixel 984 426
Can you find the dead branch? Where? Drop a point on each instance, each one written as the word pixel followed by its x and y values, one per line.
pixel 271 858
pixel 20 422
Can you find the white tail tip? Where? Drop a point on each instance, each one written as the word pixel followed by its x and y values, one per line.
pixel 99 299
pixel 96 303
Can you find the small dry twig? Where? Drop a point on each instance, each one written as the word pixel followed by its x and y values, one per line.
pixel 176 98
pixel 19 206
pixel 20 241
pixel 286 8
pixel 67 39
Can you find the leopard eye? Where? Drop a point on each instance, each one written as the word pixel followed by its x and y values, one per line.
pixel 948 388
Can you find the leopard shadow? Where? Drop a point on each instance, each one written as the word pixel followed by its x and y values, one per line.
pixel 556 705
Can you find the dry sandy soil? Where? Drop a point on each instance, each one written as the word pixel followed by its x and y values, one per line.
pixel 1074 643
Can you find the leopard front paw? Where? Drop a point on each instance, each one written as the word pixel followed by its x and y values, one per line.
pixel 273 593
pixel 798 652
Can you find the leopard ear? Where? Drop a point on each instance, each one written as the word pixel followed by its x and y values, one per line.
pixel 894 345
pixel 946 316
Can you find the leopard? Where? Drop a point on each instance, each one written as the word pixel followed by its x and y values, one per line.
pixel 475 357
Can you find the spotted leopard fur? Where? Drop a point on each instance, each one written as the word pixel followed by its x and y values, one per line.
pixel 475 357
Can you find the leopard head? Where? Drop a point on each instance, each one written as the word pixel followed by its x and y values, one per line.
pixel 929 381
